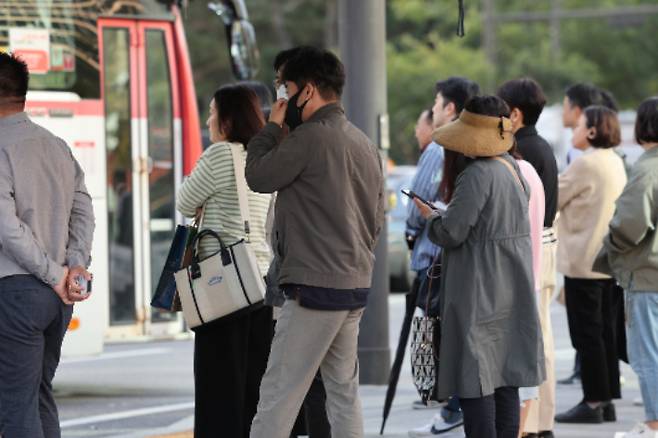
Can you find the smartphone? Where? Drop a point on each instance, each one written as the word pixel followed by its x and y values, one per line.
pixel 84 284
pixel 281 92
pixel 411 194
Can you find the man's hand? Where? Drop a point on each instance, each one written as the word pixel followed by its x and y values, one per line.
pixel 425 211
pixel 61 288
pixel 278 112
pixel 74 288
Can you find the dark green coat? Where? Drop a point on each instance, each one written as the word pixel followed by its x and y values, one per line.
pixel 490 328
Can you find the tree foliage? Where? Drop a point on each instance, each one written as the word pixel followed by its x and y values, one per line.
pixel 619 54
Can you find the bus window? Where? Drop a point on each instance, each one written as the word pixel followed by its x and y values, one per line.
pixel 118 134
pixel 162 186
pixel 58 39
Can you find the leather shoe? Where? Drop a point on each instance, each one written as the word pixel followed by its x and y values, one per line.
pixel 545 434
pixel 609 412
pixel 581 413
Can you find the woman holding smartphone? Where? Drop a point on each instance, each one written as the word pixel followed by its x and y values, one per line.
pixel 490 331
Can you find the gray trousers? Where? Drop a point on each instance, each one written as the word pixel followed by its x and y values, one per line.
pixel 305 340
pixel 33 321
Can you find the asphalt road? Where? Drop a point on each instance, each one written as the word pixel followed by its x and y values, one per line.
pixel 146 389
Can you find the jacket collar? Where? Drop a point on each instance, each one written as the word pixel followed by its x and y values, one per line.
pixel 326 111
pixel 526 131
pixel 13 119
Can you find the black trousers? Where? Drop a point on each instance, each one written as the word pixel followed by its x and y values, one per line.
pixel 592 309
pixel 230 358
pixel 33 321
pixel 493 416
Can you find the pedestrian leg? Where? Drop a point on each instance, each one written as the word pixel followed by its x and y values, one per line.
pixel 301 341
pixel 479 416
pixel 27 309
pixel 340 374
pixel 53 337
pixel 507 412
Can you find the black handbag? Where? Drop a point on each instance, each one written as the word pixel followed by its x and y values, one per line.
pixel 180 255
pixel 426 338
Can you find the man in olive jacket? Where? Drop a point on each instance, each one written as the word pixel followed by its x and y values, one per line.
pixel 329 212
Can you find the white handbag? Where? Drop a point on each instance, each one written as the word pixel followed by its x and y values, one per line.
pixel 228 282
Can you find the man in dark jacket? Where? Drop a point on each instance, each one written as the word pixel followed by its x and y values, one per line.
pixel 329 212
pixel 526 101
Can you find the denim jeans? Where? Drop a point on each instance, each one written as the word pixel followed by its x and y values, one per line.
pixel 642 341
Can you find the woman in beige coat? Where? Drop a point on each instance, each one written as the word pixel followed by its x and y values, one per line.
pixel 588 190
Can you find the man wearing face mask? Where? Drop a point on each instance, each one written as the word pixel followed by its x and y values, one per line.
pixel 329 212
pixel 312 419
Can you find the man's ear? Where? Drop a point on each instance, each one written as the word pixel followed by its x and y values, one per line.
pixel 516 116
pixel 309 91
pixel 451 109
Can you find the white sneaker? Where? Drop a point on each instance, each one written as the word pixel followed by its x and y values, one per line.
pixel 638 401
pixel 438 427
pixel 641 430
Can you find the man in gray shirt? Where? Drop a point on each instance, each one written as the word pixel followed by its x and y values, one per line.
pixel 46 230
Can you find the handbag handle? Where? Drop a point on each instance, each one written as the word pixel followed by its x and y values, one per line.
pixel 195 269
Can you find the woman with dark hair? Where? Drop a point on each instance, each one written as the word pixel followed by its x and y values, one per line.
pixel 491 341
pixel 630 254
pixel 229 356
pixel 587 191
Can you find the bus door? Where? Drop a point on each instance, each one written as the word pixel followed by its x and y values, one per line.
pixel 144 164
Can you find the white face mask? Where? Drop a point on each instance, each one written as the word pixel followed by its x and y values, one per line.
pixel 282 92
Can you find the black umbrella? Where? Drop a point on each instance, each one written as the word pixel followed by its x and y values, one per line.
pixel 399 354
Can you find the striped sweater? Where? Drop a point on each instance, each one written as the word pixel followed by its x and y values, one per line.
pixel 213 182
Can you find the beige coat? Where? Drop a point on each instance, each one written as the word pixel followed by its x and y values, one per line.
pixel 588 190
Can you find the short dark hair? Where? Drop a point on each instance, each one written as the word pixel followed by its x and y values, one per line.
pixel 646 123
pixel 238 112
pixel 526 95
pixel 606 123
pixel 583 95
pixel 284 56
pixel 457 90
pixel 14 78
pixel 492 106
pixel 319 67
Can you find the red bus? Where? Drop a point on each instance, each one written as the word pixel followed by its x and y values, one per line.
pixel 113 78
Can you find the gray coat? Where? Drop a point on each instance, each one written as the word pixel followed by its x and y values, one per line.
pixel 490 328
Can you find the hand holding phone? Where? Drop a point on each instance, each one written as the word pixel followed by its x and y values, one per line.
pixel 412 195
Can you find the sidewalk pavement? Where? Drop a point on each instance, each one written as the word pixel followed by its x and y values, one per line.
pixel 403 418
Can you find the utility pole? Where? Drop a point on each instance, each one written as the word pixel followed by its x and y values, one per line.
pixel 362 39
pixel 489 37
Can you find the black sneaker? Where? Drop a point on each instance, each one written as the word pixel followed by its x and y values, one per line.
pixel 545 434
pixel 581 413
pixel 609 412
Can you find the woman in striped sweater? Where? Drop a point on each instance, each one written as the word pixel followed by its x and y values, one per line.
pixel 229 356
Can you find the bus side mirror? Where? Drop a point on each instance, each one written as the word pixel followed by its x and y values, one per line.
pixel 243 49
pixel 240 35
